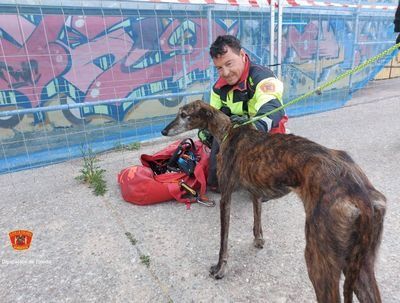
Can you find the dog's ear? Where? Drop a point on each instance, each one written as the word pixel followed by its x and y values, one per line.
pixel 202 109
pixel 205 113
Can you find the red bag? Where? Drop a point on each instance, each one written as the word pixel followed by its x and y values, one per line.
pixel 140 185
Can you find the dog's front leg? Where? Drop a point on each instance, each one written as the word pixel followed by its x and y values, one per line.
pixel 218 271
pixel 257 228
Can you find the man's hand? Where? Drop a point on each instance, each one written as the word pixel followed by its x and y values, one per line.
pixel 398 40
pixel 238 119
pixel 205 137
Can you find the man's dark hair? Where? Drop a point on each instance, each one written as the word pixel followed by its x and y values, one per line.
pixel 218 48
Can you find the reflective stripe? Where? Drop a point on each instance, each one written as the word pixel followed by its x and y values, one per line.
pixel 235 107
pixel 266 90
pixel 268 121
pixel 215 100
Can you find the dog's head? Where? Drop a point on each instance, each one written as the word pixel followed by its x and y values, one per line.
pixel 194 115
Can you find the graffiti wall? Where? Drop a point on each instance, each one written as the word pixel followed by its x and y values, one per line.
pixel 317 49
pixel 390 70
pixel 74 59
pixel 51 59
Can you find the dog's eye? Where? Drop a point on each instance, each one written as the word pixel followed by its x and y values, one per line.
pixel 183 115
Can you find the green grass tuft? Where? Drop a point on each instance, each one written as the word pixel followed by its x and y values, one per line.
pixel 131 238
pixel 145 260
pixel 131 146
pixel 92 174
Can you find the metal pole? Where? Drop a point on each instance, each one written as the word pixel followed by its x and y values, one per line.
pixel 88 104
pixel 210 41
pixel 318 52
pixel 355 39
pixel 184 69
pixel 280 13
pixel 272 33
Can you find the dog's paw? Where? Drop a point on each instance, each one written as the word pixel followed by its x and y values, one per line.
pixel 217 271
pixel 259 243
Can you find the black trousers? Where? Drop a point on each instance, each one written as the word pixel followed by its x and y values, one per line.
pixel 212 179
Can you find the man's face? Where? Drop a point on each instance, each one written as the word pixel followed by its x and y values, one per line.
pixel 230 65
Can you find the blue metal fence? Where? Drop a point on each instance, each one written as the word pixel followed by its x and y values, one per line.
pixel 73 74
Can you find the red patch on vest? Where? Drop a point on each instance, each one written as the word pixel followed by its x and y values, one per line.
pixel 268 87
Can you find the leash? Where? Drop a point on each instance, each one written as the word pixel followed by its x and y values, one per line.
pixel 319 89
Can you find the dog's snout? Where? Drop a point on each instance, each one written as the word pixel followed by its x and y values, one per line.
pixel 166 130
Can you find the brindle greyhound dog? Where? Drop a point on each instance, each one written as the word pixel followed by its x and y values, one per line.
pixel 344 212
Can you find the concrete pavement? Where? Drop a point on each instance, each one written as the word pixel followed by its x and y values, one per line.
pixel 80 251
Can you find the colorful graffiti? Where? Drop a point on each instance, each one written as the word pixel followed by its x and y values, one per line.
pixel 91 58
pixel 53 59
pixel 320 50
pixel 74 59
pixel 317 49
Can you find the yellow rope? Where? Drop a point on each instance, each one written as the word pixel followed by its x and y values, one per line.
pixel 323 86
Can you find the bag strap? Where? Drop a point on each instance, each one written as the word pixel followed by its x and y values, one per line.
pixel 190 142
pixel 176 192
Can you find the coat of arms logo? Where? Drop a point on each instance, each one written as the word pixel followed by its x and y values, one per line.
pixel 21 239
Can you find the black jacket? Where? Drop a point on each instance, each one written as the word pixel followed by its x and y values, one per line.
pixel 397 19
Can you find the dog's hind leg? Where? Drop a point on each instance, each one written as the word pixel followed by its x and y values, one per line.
pixel 366 288
pixel 218 271
pixel 323 269
pixel 257 228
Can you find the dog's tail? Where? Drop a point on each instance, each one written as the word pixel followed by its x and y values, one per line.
pixel 365 240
